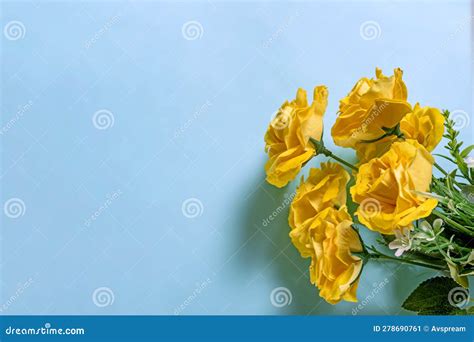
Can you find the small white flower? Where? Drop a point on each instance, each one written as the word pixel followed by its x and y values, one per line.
pixel 469 161
pixel 426 232
pixel 402 242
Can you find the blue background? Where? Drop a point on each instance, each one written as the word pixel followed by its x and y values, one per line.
pixel 166 145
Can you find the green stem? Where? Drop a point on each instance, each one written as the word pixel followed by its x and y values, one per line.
pixel 342 161
pixel 379 255
pixel 440 169
pixel 455 245
pixel 376 139
pixel 388 132
pixel 409 261
pixel 444 245
pixel 321 149
pixel 435 248
pixel 453 223
pixel 440 249
pixel 446 256
pixel 444 172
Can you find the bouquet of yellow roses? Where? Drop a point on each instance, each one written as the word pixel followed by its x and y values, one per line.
pixel 422 219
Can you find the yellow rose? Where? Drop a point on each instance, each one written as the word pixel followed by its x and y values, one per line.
pixel 426 125
pixel 287 138
pixel 325 187
pixel 386 188
pixel 371 105
pixel 324 233
pixel 332 240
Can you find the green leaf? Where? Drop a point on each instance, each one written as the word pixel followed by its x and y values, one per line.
pixel 454 271
pixel 464 153
pixel 431 297
pixel 450 179
pixel 447 158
